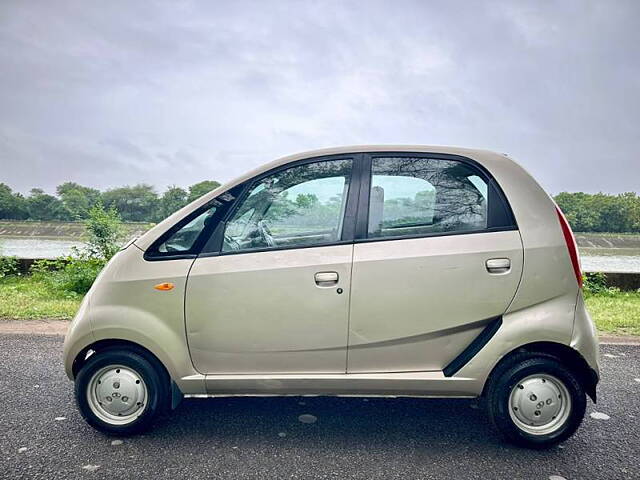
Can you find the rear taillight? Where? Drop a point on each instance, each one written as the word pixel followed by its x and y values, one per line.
pixel 572 247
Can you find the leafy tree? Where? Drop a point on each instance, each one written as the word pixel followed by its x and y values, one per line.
pixel 13 206
pixel 306 200
pixel 77 200
pixel 42 206
pixel 601 212
pixel 171 201
pixel 135 204
pixel 198 189
pixel 579 210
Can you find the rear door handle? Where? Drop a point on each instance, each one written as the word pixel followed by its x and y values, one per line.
pixel 498 265
pixel 326 279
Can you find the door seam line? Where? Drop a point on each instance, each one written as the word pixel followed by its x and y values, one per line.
pixel 346 365
pixel 358 164
pixel 184 318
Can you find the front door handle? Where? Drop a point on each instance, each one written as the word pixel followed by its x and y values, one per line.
pixel 326 279
pixel 498 265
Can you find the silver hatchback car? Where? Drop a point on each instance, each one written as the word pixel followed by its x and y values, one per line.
pixel 362 271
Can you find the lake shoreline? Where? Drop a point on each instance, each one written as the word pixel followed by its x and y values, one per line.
pixel 65 231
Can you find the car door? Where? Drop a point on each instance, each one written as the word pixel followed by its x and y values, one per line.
pixel 437 260
pixel 272 295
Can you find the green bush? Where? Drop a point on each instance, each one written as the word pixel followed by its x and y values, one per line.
pixel 78 274
pixel 71 274
pixel 8 266
pixel 75 274
pixel 596 284
pixel 44 266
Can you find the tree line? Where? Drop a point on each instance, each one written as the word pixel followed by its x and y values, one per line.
pixel 586 212
pixel 73 202
pixel 601 212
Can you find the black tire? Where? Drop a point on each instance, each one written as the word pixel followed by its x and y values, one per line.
pixel 148 368
pixel 508 374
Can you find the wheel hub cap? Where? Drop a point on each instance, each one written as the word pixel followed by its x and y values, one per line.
pixel 539 404
pixel 117 394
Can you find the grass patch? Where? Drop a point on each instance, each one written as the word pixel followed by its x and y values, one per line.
pixel 26 297
pixel 617 313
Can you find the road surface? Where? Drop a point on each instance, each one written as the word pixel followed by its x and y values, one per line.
pixel 43 436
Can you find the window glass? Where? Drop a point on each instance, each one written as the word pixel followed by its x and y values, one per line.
pixel 239 226
pixel 419 196
pixel 183 239
pixel 298 206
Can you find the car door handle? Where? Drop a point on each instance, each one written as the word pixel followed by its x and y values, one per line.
pixel 498 265
pixel 326 279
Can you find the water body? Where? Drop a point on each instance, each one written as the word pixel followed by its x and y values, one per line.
pixel 610 263
pixel 34 247
pixel 593 259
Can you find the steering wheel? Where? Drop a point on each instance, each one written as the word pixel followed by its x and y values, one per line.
pixel 266 233
pixel 233 244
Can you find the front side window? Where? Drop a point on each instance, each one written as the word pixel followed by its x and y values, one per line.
pixel 188 235
pixel 299 206
pixel 183 239
pixel 421 196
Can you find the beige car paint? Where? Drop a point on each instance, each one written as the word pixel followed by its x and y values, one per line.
pixel 124 305
pixel 413 384
pixel 584 332
pixel 417 303
pixel 264 313
pixel 547 306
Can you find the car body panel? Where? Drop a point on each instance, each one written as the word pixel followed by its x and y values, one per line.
pixel 550 321
pixel 263 312
pixel 403 384
pixel 127 306
pixel 417 303
pixel 584 336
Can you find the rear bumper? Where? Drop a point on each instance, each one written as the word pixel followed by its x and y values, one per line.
pixel 584 340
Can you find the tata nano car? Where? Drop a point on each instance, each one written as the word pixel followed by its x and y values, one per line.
pixel 362 271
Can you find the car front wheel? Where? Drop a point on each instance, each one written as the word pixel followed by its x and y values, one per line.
pixel 535 401
pixel 121 392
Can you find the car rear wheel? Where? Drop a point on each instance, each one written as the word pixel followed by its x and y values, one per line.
pixel 534 401
pixel 121 392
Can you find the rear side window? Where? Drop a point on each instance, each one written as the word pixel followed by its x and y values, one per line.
pixel 423 196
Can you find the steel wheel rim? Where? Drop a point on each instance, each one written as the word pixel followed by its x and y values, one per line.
pixel 539 404
pixel 117 394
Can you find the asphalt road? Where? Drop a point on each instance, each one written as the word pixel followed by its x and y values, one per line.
pixel 43 436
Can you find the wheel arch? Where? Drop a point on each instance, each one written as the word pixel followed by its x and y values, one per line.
pixel 111 343
pixel 565 354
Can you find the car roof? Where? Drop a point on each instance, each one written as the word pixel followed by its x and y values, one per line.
pixel 352 149
pixel 376 148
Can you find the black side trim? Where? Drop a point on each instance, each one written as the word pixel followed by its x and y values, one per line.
pixel 473 348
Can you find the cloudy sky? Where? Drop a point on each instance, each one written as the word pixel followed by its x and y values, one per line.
pixel 113 93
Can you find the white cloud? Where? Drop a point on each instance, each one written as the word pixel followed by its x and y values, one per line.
pixel 168 93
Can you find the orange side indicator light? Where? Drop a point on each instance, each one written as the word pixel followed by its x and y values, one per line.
pixel 163 287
